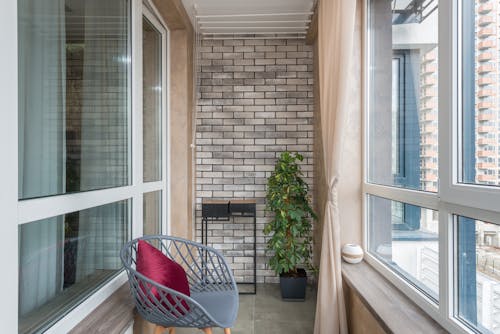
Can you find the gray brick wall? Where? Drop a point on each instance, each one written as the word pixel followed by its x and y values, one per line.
pixel 255 100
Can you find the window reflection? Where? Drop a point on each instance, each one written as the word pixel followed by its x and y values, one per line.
pixel 73 96
pixel 403 131
pixel 405 237
pixel 62 259
pixel 479 273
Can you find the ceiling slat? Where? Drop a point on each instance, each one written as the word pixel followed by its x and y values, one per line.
pixel 256 33
pixel 253 22
pixel 255 14
pixel 235 18
pixel 254 27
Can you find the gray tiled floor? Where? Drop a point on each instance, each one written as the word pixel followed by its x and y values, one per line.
pixel 266 313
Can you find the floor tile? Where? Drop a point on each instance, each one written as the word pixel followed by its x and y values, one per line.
pixel 267 313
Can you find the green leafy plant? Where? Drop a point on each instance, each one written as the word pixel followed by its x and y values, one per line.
pixel 287 197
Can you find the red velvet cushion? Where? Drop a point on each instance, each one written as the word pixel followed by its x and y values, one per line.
pixel 153 264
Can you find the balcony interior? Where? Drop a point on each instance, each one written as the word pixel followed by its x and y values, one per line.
pixel 192 115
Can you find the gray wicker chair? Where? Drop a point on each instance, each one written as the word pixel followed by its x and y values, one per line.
pixel 214 294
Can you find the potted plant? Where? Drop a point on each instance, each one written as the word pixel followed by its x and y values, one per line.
pixel 290 228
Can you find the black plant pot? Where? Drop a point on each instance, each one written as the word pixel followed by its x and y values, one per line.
pixel 293 288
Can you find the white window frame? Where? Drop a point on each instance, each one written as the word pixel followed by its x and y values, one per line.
pixel 9 165
pixel 453 198
pixel 16 212
pixel 153 16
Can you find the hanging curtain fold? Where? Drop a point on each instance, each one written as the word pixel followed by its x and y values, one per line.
pixel 336 24
pixel 104 143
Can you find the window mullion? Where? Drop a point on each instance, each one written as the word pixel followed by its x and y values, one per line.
pixel 165 217
pixel 447 92
pixel 446 266
pixel 414 197
pixel 447 167
pixel 137 119
pixel 46 207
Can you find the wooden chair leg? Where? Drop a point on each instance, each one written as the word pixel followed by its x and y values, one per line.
pixel 159 329
pixel 207 330
pixel 171 330
pixel 227 330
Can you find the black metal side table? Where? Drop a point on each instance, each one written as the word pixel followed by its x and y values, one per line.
pixel 223 210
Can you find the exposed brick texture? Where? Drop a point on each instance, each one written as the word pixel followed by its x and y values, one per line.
pixel 255 100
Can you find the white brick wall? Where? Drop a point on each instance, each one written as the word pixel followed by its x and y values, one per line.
pixel 255 100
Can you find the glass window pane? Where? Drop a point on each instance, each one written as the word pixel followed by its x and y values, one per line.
pixel 403 115
pixel 65 258
pixel 405 237
pixel 152 213
pixel 152 93
pixel 478 252
pixel 74 65
pixel 480 93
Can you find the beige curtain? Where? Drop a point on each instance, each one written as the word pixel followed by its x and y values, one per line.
pixel 336 24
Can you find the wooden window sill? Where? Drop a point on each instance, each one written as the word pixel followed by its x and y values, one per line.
pixel 393 310
pixel 114 315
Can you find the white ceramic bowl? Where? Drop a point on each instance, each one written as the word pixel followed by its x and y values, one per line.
pixel 352 253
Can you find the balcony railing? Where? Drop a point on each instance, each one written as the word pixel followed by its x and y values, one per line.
pixel 430 56
pixel 430 165
pixel 429 117
pixel 485 20
pixel 485 177
pixel 485 81
pixel 486 141
pixel 486 93
pixel 484 154
pixel 429 92
pixel 486 32
pixel 429 81
pixel 484 105
pixel 486 8
pixel 486 56
pixel 430 68
pixel 485 165
pixel 430 104
pixel 486 44
pixel 485 69
pixel 485 129
pixel 429 129
pixel 429 177
pixel 485 116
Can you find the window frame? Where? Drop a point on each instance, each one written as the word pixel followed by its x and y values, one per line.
pixel 412 282
pixel 9 171
pixel 163 185
pixel 453 198
pixel 16 212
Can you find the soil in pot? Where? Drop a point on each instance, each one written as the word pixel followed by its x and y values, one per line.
pixel 293 286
